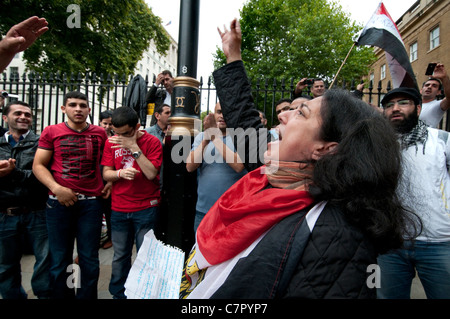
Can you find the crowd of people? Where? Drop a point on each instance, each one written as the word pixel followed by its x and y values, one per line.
pixel 342 186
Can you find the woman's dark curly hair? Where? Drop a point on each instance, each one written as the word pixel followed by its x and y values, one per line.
pixel 361 175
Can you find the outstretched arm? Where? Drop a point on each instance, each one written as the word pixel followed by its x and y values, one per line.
pixel 441 74
pixel 20 37
pixel 235 96
pixel 231 41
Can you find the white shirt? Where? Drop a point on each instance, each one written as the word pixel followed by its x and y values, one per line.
pixel 168 99
pixel 432 113
pixel 425 185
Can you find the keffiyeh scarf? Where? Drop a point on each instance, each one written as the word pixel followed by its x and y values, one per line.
pixel 418 135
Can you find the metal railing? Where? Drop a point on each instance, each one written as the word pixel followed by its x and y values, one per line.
pixel 45 92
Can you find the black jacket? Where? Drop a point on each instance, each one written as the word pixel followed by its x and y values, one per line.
pixel 236 100
pixel 156 95
pixel 21 188
pixel 135 97
pixel 291 262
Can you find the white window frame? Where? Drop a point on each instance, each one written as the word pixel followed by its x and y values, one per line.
pixel 383 72
pixel 413 52
pixel 435 38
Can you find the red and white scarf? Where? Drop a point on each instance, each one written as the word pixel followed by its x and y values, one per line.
pixel 244 213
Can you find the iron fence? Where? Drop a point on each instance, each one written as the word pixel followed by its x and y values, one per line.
pixel 44 92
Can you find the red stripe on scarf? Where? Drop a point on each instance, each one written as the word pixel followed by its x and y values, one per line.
pixel 243 213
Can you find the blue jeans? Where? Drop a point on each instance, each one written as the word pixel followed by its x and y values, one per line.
pixel 432 262
pixel 12 229
pixel 125 229
pixel 83 222
pixel 198 218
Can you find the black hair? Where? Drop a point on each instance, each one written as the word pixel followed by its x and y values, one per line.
pixel 158 109
pixel 318 80
pixel 262 113
pixel 124 115
pixel 7 107
pixel 105 115
pixel 165 72
pixel 433 79
pixel 282 101
pixel 361 175
pixel 75 95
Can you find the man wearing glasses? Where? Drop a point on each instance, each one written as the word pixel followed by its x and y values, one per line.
pixel 132 159
pixel 424 188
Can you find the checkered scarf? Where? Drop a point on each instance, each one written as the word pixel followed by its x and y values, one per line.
pixel 418 135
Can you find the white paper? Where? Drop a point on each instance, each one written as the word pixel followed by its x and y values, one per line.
pixel 156 272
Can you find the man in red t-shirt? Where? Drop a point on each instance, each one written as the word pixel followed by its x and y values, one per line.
pixel 67 161
pixel 132 159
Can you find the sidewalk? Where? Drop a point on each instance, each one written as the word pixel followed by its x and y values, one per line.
pixel 106 256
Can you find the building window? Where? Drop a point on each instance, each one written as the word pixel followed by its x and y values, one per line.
pixel 413 52
pixel 14 73
pixel 383 72
pixel 434 38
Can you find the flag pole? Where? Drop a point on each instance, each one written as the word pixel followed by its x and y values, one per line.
pixel 345 60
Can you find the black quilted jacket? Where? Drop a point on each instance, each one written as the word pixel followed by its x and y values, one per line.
pixel 331 265
pixel 333 262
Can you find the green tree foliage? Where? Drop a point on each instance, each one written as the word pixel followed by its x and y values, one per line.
pixel 111 38
pixel 297 39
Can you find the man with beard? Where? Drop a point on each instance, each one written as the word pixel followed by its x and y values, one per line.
pixel 425 189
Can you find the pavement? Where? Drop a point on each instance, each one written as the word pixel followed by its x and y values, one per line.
pixel 106 256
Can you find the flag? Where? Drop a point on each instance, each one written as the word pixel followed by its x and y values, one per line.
pixel 382 32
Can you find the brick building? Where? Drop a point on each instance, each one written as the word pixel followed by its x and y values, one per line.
pixel 425 30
